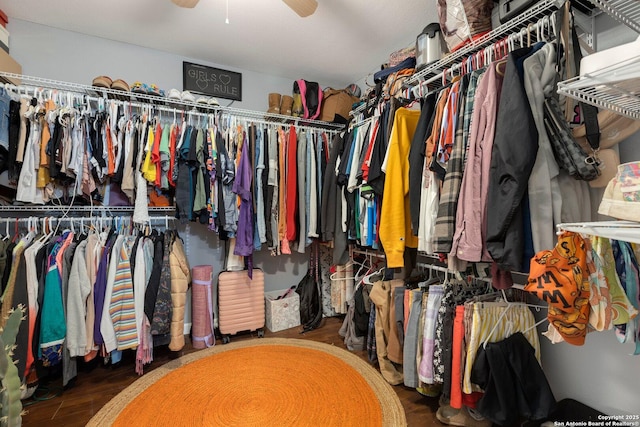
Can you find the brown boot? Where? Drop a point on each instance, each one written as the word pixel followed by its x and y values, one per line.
pixel 285 106
pixel 274 103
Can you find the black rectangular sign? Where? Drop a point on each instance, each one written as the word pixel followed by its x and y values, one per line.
pixel 212 81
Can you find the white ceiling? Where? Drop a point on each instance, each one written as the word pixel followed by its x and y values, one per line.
pixel 344 41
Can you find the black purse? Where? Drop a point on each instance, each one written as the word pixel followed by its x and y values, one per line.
pixel 568 153
pixel 310 294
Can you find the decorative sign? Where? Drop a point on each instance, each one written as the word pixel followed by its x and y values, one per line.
pixel 212 81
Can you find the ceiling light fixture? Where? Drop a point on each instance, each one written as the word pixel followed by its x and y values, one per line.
pixel 303 8
pixel 185 3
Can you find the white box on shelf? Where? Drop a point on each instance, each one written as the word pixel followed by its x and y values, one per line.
pixel 283 313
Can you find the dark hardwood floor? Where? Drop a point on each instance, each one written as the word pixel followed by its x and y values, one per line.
pixel 95 385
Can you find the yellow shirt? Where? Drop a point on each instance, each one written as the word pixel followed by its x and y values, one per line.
pixel 395 220
pixel 148 168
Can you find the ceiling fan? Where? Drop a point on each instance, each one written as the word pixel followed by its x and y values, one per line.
pixel 303 8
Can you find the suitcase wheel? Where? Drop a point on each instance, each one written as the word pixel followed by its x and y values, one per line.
pixel 260 333
pixel 226 339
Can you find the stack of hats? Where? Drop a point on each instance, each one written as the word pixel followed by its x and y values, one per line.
pixel 561 278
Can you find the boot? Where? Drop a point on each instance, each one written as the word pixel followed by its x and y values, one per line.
pixel 274 103
pixel 297 110
pixel 285 106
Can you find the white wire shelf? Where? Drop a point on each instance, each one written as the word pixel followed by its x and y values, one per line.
pixel 516 25
pixel 10 209
pixel 616 88
pixel 627 231
pixel 99 92
pixel 625 11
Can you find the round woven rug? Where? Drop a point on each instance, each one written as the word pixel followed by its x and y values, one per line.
pixel 266 382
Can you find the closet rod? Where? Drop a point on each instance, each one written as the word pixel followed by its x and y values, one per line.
pixel 191 113
pixel 361 122
pixel 288 125
pixel 85 208
pixel 163 218
pixel 484 49
pixel 368 253
pixel 541 30
pixel 538 11
pixel 459 275
pixel 39 82
pixel 534 13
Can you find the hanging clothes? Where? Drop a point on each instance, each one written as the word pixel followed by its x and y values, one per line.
pixel 395 225
pixel 510 169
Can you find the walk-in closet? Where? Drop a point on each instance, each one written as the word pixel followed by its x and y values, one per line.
pixel 307 212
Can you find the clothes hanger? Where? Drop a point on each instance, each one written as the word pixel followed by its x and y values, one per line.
pixel 6 234
pixel 535 325
pixel 497 323
pixel 28 238
pixel 509 305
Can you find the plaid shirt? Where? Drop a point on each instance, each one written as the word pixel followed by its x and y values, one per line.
pixel 446 220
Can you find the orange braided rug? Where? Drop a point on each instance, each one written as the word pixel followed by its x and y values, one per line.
pixel 266 382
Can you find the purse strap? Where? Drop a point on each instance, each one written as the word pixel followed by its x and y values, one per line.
pixel 589 112
pixel 316 255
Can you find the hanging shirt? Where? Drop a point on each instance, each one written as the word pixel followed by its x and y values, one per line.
pixel 148 168
pixel 52 324
pixel 471 217
pixel 312 188
pixel 242 187
pixel 282 199
pixel 122 306
pixel 291 187
pixel 163 182
pixel 155 154
pixel 260 181
pixel 395 222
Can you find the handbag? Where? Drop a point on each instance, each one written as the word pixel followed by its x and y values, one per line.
pixel 568 153
pixel 311 294
pixel 581 163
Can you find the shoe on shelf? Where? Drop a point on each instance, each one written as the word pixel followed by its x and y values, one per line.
pixel 102 81
pixel 120 85
pixel 621 198
pixel 187 96
pixel 286 104
pixel 213 101
pixel 202 100
pixel 154 90
pixel 139 87
pixel 274 103
pixel 174 94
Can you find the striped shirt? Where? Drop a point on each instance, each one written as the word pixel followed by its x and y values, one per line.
pixel 122 306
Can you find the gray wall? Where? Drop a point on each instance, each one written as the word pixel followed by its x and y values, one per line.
pixel 72 57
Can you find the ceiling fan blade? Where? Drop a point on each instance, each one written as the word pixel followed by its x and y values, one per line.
pixel 186 3
pixel 303 8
